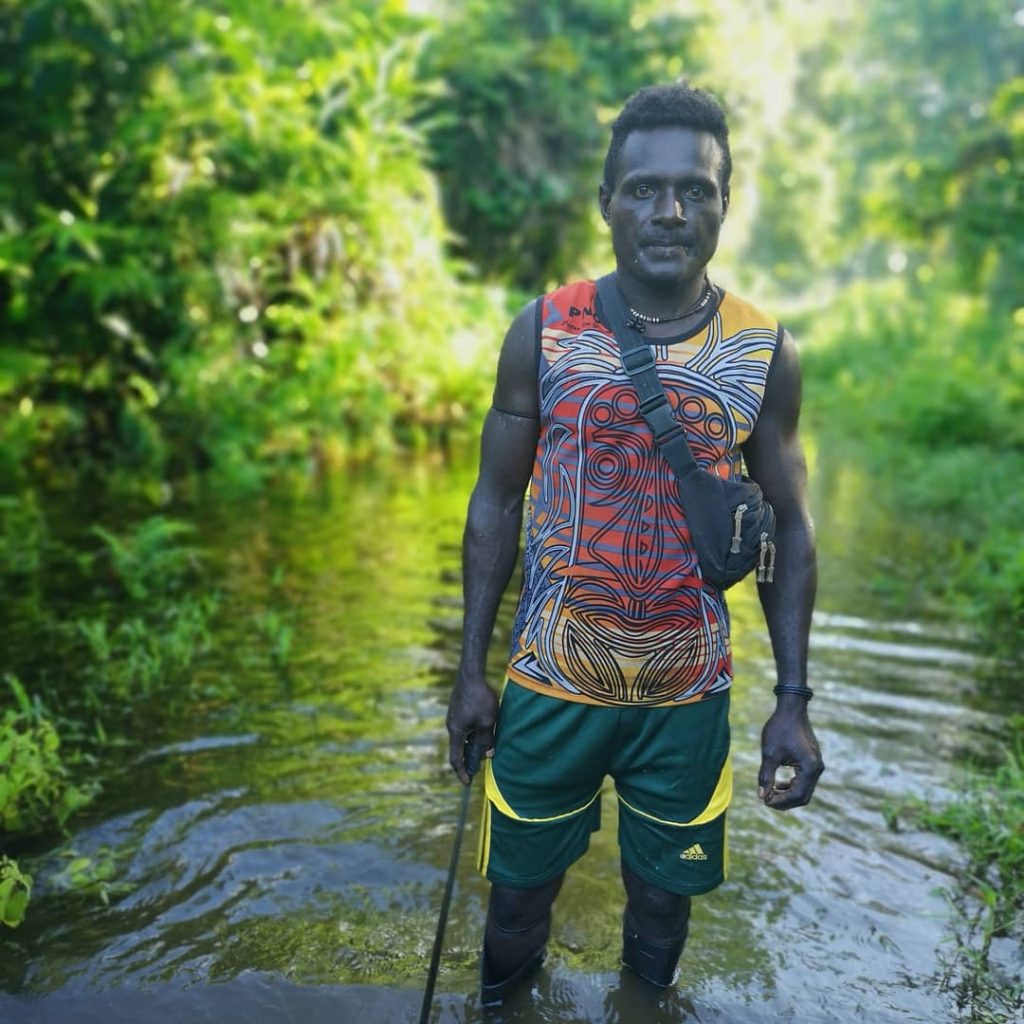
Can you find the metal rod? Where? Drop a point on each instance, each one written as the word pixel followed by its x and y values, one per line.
pixel 435 958
pixel 473 755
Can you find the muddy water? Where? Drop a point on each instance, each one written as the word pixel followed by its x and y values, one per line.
pixel 278 848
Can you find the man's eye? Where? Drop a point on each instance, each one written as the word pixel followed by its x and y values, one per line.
pixel 695 192
pixel 642 191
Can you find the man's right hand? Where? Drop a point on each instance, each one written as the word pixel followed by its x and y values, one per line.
pixel 472 711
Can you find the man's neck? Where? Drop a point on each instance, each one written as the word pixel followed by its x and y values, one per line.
pixel 662 301
pixel 666 304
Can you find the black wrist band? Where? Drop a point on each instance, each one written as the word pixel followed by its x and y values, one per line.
pixel 804 691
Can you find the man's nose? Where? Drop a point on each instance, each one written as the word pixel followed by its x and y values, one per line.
pixel 670 208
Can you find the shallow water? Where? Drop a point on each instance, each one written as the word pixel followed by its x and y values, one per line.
pixel 280 846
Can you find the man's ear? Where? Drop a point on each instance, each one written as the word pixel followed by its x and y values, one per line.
pixel 725 202
pixel 604 197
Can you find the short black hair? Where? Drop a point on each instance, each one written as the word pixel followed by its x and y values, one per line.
pixel 669 106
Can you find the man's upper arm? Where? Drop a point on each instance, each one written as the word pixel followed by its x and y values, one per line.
pixel 773 453
pixel 509 440
pixel 515 390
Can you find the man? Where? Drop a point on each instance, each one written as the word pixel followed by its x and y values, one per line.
pixel 620 661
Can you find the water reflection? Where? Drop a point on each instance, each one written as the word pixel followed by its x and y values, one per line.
pixel 280 847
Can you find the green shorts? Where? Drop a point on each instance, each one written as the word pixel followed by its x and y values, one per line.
pixel 673 778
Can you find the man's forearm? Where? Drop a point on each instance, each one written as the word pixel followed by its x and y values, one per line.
pixel 789 601
pixel 490 546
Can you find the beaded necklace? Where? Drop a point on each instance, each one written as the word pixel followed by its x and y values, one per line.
pixel 702 301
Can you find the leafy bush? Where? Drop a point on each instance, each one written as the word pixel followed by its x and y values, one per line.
pixel 148 559
pixel 35 788
pixel 139 653
pixel 22 535
pixel 218 240
pixel 516 134
pixel 989 823
pixel 931 381
pixel 996 571
pixel 158 626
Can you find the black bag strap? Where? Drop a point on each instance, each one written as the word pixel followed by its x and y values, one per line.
pixel 638 362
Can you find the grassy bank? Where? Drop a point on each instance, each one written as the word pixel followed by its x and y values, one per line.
pixel 925 388
pixel 988 903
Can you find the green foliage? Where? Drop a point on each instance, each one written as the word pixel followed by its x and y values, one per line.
pixel 147 617
pixel 218 241
pixel 915 365
pixel 988 822
pixel 86 276
pixel 932 379
pixel 35 788
pixel 15 890
pixel 914 112
pixel 22 535
pixel 922 366
pixel 515 134
pixel 147 622
pixel 996 571
pixel 937 136
pixel 279 634
pixel 148 559
pixel 333 314
pixel 93 875
pixel 132 657
pixel 158 628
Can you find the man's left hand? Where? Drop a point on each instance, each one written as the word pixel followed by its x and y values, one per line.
pixel 788 740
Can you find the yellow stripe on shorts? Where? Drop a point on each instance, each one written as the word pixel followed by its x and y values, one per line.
pixel 483 850
pixel 725 851
pixel 717 805
pixel 495 797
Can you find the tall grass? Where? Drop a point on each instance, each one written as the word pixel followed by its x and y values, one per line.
pixel 926 387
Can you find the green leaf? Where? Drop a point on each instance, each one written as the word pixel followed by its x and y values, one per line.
pixel 18 368
pixel 15 889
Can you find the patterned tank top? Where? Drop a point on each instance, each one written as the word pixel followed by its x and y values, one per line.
pixel 613 609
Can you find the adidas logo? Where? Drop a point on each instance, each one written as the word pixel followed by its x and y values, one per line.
pixel 695 852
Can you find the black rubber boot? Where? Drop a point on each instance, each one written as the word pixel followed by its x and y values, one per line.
pixel 493 992
pixel 653 961
pixel 514 949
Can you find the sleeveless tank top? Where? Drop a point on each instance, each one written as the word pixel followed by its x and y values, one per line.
pixel 613 609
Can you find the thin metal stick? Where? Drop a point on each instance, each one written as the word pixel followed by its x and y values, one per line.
pixel 435 958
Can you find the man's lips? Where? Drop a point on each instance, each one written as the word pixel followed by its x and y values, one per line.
pixel 666 250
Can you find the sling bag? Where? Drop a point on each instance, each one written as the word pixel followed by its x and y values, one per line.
pixel 731 524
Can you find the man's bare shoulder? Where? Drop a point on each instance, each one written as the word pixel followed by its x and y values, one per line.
pixel 783 388
pixel 515 390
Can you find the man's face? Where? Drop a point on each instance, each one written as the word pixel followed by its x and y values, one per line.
pixel 667 206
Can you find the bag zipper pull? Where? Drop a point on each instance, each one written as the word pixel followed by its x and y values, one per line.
pixel 761 557
pixel 738 516
pixel 770 577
